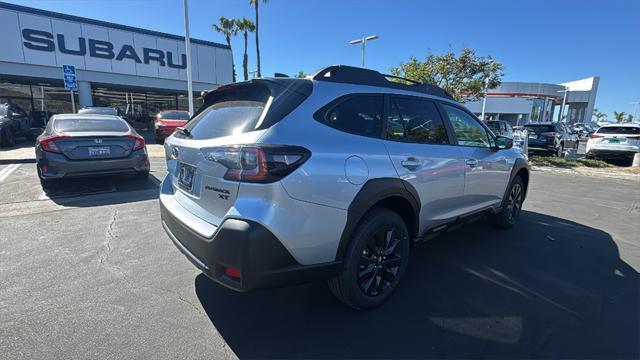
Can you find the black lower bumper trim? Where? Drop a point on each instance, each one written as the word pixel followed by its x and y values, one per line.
pixel 248 246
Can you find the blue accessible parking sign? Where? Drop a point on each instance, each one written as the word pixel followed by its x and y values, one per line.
pixel 69 77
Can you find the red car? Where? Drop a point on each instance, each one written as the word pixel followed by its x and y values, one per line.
pixel 167 121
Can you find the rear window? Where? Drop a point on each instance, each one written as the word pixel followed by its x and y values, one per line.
pixel 540 128
pixel 239 108
pixel 102 111
pixel 174 115
pixel 87 125
pixel 625 130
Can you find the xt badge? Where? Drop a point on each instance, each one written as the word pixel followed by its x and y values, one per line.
pixel 222 193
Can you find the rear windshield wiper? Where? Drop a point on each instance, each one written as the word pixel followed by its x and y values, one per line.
pixel 184 131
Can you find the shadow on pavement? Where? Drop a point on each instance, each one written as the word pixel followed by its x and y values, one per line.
pixel 549 288
pixel 89 191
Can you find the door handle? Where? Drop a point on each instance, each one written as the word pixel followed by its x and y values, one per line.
pixel 472 163
pixel 411 163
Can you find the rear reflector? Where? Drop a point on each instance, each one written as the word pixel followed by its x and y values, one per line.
pixel 257 163
pixel 232 272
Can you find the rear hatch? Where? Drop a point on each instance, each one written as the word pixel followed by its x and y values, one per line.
pixel 540 133
pixel 617 136
pixel 79 146
pixel 94 138
pixel 231 116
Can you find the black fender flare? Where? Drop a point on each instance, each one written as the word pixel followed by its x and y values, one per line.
pixel 517 166
pixel 372 192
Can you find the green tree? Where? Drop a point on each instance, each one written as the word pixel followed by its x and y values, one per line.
pixel 245 26
pixel 228 28
pixel 629 118
pixel 619 116
pixel 464 76
pixel 600 116
pixel 301 74
pixel 255 4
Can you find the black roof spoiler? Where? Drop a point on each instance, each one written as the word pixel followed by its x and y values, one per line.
pixel 362 76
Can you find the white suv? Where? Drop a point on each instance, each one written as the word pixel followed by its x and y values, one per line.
pixel 280 181
pixel 614 142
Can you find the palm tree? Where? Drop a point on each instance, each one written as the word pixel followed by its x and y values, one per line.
pixel 229 28
pixel 245 26
pixel 619 116
pixel 255 4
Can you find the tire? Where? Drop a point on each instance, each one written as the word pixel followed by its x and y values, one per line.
pixel 512 207
pixel 46 183
pixel 142 175
pixel 7 137
pixel 382 234
pixel 560 151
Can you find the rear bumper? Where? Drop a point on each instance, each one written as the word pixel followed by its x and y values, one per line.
pixel 245 245
pixel 59 166
pixel 538 147
pixel 610 154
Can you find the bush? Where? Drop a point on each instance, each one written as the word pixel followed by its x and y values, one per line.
pixel 564 163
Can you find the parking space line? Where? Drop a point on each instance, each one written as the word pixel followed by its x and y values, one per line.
pixel 4 173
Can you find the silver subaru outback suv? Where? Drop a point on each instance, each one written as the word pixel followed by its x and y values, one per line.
pixel 280 181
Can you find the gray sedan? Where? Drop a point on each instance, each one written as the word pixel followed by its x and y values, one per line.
pixel 78 145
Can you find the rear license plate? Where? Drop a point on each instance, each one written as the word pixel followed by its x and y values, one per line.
pixel 185 175
pixel 613 141
pixel 533 136
pixel 99 151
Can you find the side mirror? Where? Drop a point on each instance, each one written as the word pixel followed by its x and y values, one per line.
pixel 503 142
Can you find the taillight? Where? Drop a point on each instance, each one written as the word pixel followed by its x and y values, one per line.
pixel 48 143
pixel 595 136
pixel 549 134
pixel 633 137
pixel 139 141
pixel 257 163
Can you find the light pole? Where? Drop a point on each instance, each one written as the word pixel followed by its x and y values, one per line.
pixel 484 101
pixel 363 41
pixel 187 48
pixel 564 101
pixel 635 110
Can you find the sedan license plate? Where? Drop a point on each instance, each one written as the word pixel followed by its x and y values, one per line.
pixel 185 175
pixel 99 151
pixel 613 141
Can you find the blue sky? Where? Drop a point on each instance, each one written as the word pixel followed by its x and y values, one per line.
pixel 538 41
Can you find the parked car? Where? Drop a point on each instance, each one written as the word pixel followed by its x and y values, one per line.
pixel 277 181
pixel 14 123
pixel 79 145
pixel 552 138
pixel 167 121
pixel 100 110
pixel 500 127
pixel 614 142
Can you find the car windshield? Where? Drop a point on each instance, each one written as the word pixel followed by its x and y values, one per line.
pixel 90 125
pixel 103 111
pixel 626 130
pixel 174 115
pixel 538 129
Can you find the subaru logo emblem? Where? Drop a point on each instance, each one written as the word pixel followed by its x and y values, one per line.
pixel 174 152
pixel 97 141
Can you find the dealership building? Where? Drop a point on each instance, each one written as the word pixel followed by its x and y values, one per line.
pixel 139 71
pixel 522 102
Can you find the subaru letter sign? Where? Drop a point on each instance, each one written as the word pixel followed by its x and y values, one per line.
pixel 69 76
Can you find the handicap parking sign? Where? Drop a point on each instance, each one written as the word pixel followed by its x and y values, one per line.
pixel 69 77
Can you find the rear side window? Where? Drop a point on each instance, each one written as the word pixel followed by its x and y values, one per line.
pixel 360 115
pixel 89 125
pixel 626 130
pixel 415 121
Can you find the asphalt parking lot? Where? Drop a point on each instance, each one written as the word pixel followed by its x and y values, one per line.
pixel 88 272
